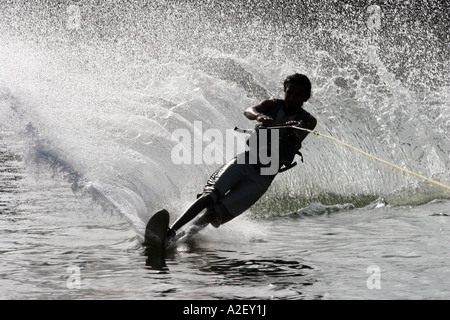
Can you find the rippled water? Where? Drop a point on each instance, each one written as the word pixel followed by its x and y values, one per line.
pixel 324 257
pixel 56 245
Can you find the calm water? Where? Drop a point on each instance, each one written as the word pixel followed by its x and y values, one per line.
pixel 91 94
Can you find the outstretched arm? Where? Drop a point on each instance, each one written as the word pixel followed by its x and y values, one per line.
pixel 261 112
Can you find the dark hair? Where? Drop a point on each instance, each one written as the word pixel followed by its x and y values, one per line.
pixel 300 79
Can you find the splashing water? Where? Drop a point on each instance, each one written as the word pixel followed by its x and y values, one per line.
pixel 98 88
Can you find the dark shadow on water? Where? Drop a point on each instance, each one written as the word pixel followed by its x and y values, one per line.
pixel 155 260
pixel 277 277
pixel 237 271
pixel 233 265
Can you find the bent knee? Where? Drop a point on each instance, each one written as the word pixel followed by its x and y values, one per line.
pixel 218 215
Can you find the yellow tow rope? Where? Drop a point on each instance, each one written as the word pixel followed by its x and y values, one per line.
pixel 365 153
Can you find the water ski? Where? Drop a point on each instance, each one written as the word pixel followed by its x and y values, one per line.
pixel 155 239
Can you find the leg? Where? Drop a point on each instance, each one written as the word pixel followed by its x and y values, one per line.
pixel 216 216
pixel 218 184
pixel 241 197
pixel 200 204
pixel 221 181
pixel 208 217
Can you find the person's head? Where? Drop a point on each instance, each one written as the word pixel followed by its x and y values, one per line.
pixel 297 90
